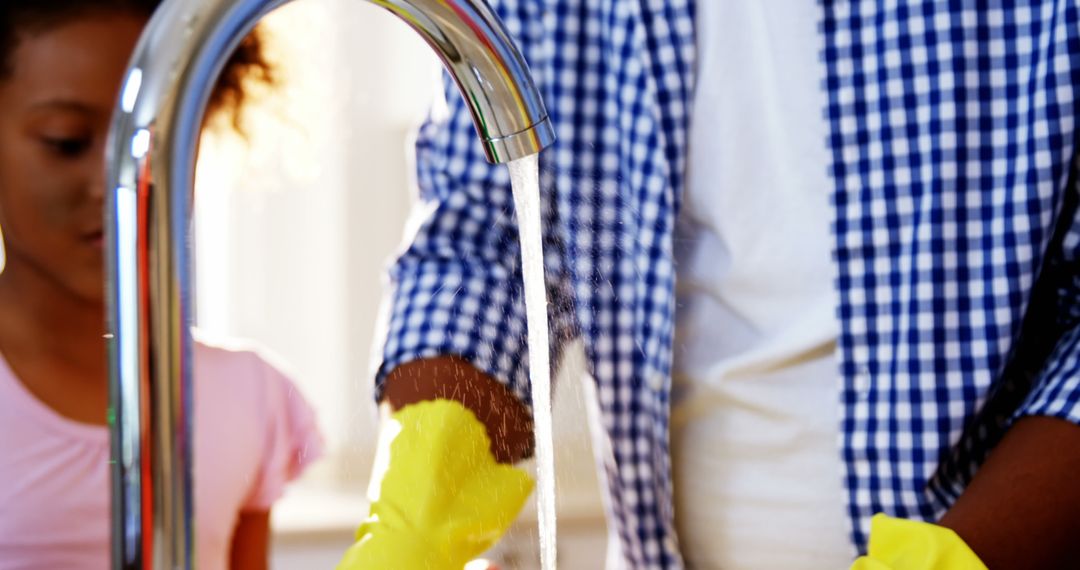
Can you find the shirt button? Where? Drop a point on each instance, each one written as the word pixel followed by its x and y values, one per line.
pixel 861 382
pixel 657 381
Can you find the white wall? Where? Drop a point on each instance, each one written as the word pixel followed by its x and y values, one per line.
pixel 295 226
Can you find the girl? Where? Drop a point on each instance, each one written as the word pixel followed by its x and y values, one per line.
pixel 61 63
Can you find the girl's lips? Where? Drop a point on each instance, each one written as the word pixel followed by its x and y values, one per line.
pixel 95 238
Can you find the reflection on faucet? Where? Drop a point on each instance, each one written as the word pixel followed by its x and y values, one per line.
pixel 150 176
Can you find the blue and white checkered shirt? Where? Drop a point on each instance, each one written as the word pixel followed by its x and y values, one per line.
pixel 957 240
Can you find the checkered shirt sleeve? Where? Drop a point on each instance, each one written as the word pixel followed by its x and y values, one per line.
pixel 1056 390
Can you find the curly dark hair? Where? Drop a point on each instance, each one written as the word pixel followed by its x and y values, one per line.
pixel 21 17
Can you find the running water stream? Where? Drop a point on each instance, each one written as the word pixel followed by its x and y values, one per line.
pixel 524 175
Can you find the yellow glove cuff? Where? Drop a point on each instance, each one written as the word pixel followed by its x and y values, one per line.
pixel 443 500
pixel 898 544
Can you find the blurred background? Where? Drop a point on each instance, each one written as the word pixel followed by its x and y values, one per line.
pixel 294 227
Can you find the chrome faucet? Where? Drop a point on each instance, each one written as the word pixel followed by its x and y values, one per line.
pixel 150 173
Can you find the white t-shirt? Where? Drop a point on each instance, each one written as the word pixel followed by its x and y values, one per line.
pixel 253 433
pixel 755 428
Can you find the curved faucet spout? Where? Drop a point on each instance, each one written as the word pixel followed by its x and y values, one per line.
pixel 489 71
pixel 150 174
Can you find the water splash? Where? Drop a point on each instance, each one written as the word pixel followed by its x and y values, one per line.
pixel 524 175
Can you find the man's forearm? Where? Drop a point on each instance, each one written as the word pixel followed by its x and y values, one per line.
pixel 1022 510
pixel 508 422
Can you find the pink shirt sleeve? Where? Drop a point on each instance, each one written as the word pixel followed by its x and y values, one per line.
pixel 292 440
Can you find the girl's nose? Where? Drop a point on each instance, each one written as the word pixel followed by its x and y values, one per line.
pixel 94 168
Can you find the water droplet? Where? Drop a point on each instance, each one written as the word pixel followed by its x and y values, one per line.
pixel 188 23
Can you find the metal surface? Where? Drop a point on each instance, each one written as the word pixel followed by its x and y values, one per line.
pixel 149 179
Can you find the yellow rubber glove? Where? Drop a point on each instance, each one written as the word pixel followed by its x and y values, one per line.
pixel 443 499
pixel 898 544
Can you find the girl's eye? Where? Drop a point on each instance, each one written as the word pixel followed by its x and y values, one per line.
pixel 67 147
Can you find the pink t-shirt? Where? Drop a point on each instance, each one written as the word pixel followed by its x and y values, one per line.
pixel 253 434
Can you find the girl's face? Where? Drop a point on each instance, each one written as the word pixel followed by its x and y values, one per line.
pixel 55 108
